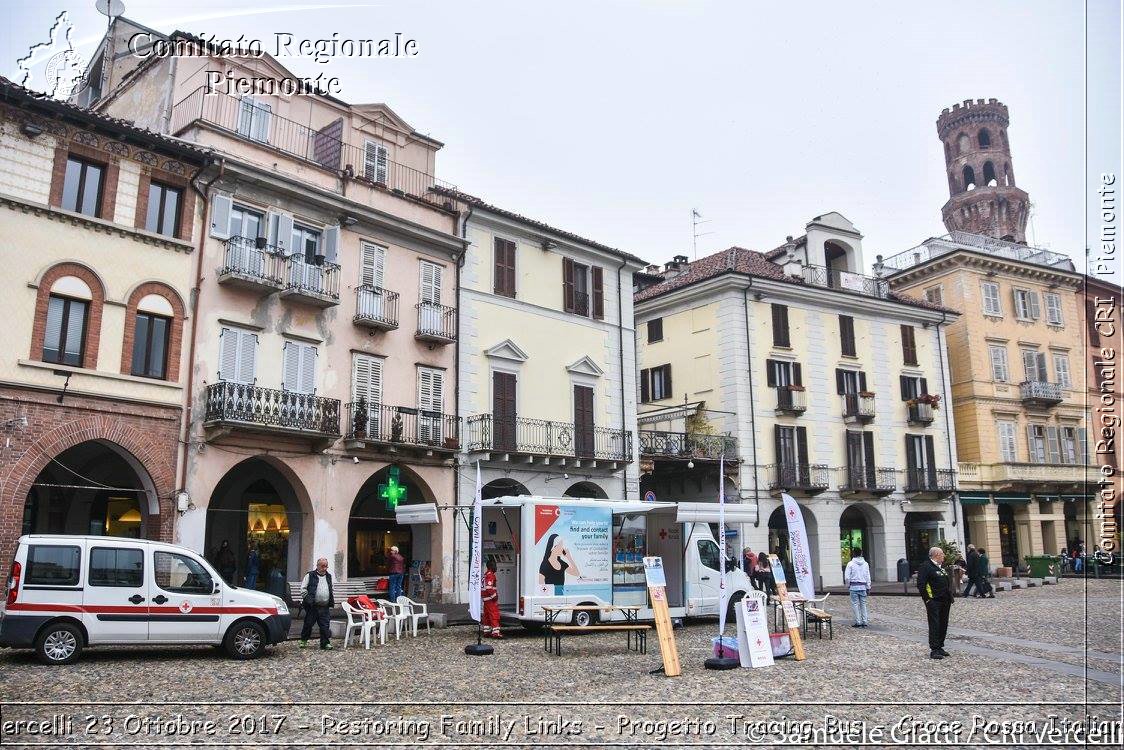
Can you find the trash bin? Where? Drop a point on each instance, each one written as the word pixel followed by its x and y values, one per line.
pixel 903 570
pixel 1042 565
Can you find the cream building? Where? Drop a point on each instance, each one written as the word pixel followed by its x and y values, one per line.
pixel 322 387
pixel 807 377
pixel 547 374
pixel 1019 403
pixel 99 226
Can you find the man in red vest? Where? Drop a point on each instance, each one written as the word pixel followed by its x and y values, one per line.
pixel 490 598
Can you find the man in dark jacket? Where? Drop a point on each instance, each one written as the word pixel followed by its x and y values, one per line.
pixel 971 561
pixel 935 585
pixel 318 598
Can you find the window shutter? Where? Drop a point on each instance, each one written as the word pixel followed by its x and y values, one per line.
pixel 372 263
pixel 283 234
pixel 247 357
pixel 1053 446
pixel 1082 445
pixel 309 355
pixel 910 460
pixel 797 378
pixel 644 390
pixel 669 391
pixel 291 366
pixel 503 282
pixel 52 338
pixel 931 458
pixel 777 443
pixel 840 385
pixel 802 446
pixel 366 380
pixel 425 389
pixel 1030 366
pixel 906 383
pixel 332 244
pixel 1040 360
pixel 375 162
pixel 228 354
pixel 567 285
pixel 780 325
pixel 597 283
pixel 862 381
pixel 220 216
pixel 868 454
pixel 1031 446
pixel 771 373
pixel 924 387
pixel 909 345
pixel 430 284
pixel 1032 301
pixel 847 335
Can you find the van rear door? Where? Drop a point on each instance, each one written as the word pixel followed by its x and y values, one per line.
pixel 51 579
pixel 185 603
pixel 116 594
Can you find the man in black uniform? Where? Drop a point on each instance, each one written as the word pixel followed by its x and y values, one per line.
pixel 935 585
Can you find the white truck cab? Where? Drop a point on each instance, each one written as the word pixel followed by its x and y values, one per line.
pixel 68 592
pixel 560 551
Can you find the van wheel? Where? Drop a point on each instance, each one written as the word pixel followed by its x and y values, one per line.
pixel 583 618
pixel 245 640
pixel 60 643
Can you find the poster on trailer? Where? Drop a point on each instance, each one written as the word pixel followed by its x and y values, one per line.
pixel 572 547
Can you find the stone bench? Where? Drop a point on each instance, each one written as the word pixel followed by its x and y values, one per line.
pixel 1049 580
pixel 1031 582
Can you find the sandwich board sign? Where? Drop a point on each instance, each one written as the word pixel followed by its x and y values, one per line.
pixel 791 622
pixel 657 592
pixel 754 647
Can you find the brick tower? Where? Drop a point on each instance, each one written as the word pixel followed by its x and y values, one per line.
pixel 981 182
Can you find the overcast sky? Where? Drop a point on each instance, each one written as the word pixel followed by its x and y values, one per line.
pixel 613 119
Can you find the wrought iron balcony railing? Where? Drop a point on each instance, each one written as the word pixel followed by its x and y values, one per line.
pixel 833 278
pixel 930 480
pixel 324 147
pixel 402 425
pixel 920 413
pixel 687 445
pixel 858 406
pixel 251 262
pixel 1040 392
pixel 869 479
pixel 436 323
pixel 318 283
pixel 376 307
pixel 790 400
pixel 810 478
pixel 543 437
pixel 242 404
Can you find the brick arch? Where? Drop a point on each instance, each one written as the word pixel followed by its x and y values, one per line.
pixel 175 335
pixel 128 437
pixel 93 321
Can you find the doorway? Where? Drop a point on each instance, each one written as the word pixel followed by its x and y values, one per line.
pixel 1008 536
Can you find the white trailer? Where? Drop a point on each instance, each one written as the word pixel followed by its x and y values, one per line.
pixel 561 550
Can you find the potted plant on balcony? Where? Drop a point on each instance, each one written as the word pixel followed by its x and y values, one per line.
pixel 451 443
pixel 259 243
pixel 359 418
pixel 396 428
pixel 931 399
pixel 866 394
pixel 799 389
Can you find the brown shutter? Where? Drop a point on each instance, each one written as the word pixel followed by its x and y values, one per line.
pixel 504 273
pixel 924 387
pixel 583 420
pixel 802 445
pixel 503 410
pixel 770 373
pixel 868 453
pixel 910 462
pixel 597 282
pixel 847 335
pixel 667 381
pixel 780 325
pixel 777 443
pixel 797 377
pixel 862 381
pixel 930 459
pixel 567 285
pixel 840 386
pixel 645 396
pixel 909 345
pixel 904 383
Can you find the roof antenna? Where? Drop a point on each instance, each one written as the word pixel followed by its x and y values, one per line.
pixel 696 220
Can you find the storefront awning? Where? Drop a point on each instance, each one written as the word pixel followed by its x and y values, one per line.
pixel 1010 497
pixel 974 498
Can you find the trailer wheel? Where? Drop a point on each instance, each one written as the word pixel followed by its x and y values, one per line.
pixel 732 605
pixel 584 618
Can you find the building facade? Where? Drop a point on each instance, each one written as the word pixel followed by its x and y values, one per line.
pixel 804 376
pixel 547 374
pixel 322 390
pixel 99 225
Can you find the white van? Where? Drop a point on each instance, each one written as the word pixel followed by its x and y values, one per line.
pixel 559 551
pixel 68 592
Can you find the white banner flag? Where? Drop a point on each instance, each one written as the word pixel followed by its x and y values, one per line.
pixel 722 594
pixel 474 571
pixel 798 545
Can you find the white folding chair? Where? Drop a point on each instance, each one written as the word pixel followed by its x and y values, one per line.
pixel 395 614
pixel 358 619
pixel 415 611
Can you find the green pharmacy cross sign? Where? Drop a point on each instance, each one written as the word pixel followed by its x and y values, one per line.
pixel 392 491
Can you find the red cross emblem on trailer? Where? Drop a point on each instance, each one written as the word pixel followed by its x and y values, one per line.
pixel 185 606
pixel 663 533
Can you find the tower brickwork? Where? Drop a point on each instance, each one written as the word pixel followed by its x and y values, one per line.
pixel 983 198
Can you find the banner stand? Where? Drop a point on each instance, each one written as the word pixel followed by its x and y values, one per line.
pixel 721 662
pixel 654 577
pixel 475 574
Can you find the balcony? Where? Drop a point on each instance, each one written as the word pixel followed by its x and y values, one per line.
pixel 858 408
pixel 860 480
pixel 323 148
pixel 920 414
pixel 687 446
pixel 231 406
pixel 315 284
pixel 376 308
pixel 547 441
pixel 395 429
pixel 930 481
pixel 810 479
pixel 1039 393
pixel 252 264
pixel 437 324
pixel 791 400
pixel 833 278
pixel 950 243
pixel 1029 476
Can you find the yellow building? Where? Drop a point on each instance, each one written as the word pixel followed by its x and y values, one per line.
pixel 1017 358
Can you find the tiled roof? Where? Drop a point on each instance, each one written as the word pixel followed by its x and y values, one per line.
pixel 481 203
pixel 779 251
pixel 739 260
pixel 13 92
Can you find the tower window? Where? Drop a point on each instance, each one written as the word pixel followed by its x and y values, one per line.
pixel 985 138
pixel 963 144
pixel 969 178
pixel 989 175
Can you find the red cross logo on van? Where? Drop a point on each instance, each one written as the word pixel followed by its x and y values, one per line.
pixel 185 606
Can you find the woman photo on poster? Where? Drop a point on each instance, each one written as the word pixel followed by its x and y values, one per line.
pixel 556 564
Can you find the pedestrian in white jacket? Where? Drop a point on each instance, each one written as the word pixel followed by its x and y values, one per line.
pixel 857 578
